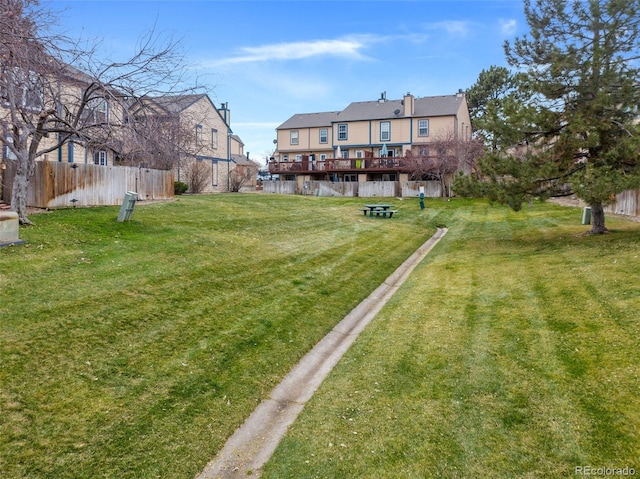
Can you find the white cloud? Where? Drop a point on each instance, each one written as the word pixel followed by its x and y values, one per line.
pixel 301 85
pixel 451 27
pixel 508 27
pixel 348 47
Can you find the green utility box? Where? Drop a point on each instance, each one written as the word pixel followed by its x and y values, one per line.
pixel 128 203
pixel 9 228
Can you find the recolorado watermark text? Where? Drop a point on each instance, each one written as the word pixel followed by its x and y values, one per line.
pixel 604 471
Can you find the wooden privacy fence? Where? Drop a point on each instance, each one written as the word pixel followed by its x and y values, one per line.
pixel 75 184
pixel 327 188
pixel 372 189
pixel 280 187
pixel 432 189
pixel 362 189
pixel 626 203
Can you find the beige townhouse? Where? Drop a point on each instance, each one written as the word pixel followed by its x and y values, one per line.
pixel 368 141
pixel 73 94
pixel 203 150
pixel 201 135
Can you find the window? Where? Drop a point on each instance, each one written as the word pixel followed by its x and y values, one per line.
pixel 214 138
pixel 342 131
pixel 95 111
pixel 385 130
pixel 423 151
pixel 350 178
pixel 8 154
pixel 359 154
pixel 324 136
pixel 100 158
pixel 27 88
pixel 33 93
pixel 214 173
pixel 323 156
pixel 285 157
pixel 298 157
pixel 293 136
pixel 423 127
pixel 198 135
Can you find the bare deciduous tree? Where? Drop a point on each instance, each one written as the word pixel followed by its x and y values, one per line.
pixel 155 141
pixel 241 175
pixel 196 174
pixel 54 91
pixel 442 158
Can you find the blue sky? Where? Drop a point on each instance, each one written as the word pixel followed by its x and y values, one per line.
pixel 272 59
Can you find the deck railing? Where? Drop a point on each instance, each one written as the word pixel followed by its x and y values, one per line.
pixel 339 164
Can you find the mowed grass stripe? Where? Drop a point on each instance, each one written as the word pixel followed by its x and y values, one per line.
pixel 135 349
pixel 510 352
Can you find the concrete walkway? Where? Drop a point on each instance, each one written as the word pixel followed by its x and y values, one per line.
pixel 254 442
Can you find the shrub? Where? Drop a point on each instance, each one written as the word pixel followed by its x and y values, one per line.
pixel 180 187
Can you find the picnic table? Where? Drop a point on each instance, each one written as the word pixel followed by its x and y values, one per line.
pixel 378 210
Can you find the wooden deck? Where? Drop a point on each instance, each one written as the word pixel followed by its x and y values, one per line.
pixel 343 165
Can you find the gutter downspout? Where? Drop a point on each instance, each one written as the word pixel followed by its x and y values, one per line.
pixel 229 159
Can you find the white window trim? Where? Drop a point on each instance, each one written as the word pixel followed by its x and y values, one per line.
pixel 96 111
pixel 214 138
pixel 427 128
pixel 28 87
pixel 326 136
pixel 198 135
pixel 346 132
pixel 8 154
pixel 388 131
pixel 294 137
pixel 100 158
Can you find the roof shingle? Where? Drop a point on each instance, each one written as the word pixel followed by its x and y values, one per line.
pixel 377 110
pixel 310 120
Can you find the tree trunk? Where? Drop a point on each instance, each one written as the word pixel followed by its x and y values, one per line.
pixel 443 188
pixel 19 191
pixel 597 219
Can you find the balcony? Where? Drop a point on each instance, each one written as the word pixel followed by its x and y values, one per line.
pixel 332 165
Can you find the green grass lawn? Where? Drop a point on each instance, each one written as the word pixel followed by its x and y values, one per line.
pixel 511 352
pixel 133 350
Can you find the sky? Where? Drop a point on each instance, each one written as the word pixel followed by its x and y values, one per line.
pixel 272 59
